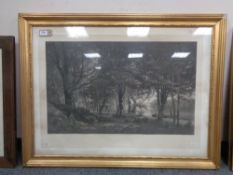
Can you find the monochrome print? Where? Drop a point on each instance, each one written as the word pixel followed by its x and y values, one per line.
pixel 121 87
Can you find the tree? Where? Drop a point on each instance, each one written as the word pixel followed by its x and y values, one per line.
pixel 119 81
pixel 71 70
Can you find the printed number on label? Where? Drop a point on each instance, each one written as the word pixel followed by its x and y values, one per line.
pixel 45 33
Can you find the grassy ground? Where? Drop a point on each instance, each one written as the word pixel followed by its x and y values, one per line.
pixel 107 124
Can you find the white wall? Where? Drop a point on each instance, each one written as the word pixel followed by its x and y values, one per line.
pixel 9 10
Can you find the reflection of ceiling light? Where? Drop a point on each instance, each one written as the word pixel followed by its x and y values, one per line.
pixel 203 31
pixel 180 54
pixel 92 55
pixel 135 55
pixel 76 32
pixel 138 31
pixel 98 67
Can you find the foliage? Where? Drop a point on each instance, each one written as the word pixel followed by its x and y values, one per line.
pixel 120 86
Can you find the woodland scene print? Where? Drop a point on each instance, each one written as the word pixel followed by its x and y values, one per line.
pixel 121 87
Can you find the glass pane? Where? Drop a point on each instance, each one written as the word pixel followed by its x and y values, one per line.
pixel 121 91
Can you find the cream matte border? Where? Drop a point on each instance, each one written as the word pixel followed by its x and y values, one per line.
pixel 122 144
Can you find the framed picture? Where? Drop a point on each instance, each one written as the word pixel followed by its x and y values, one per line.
pixel 7 102
pixel 104 90
pixel 230 150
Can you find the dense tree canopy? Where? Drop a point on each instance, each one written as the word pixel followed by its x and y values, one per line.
pixel 116 84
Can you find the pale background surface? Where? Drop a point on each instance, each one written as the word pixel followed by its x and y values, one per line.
pixel 9 10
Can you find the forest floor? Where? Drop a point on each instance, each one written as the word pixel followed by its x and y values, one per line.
pixel 110 124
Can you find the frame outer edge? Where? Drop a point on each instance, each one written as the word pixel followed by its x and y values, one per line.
pixel 230 129
pixel 219 21
pixel 221 57
pixel 24 82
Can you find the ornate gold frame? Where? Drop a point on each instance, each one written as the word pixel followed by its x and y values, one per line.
pixel 217 21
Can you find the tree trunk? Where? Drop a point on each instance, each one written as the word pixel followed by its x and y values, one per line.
pixel 161 100
pixel 134 108
pixel 68 101
pixel 121 93
pixel 178 109
pixel 173 109
pixel 120 101
pixel 158 103
pixel 102 106
pixel 129 105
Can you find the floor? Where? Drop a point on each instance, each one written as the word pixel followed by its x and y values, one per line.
pixel 19 170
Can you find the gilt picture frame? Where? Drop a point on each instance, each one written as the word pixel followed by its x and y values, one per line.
pixel 230 136
pixel 111 90
pixel 7 109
